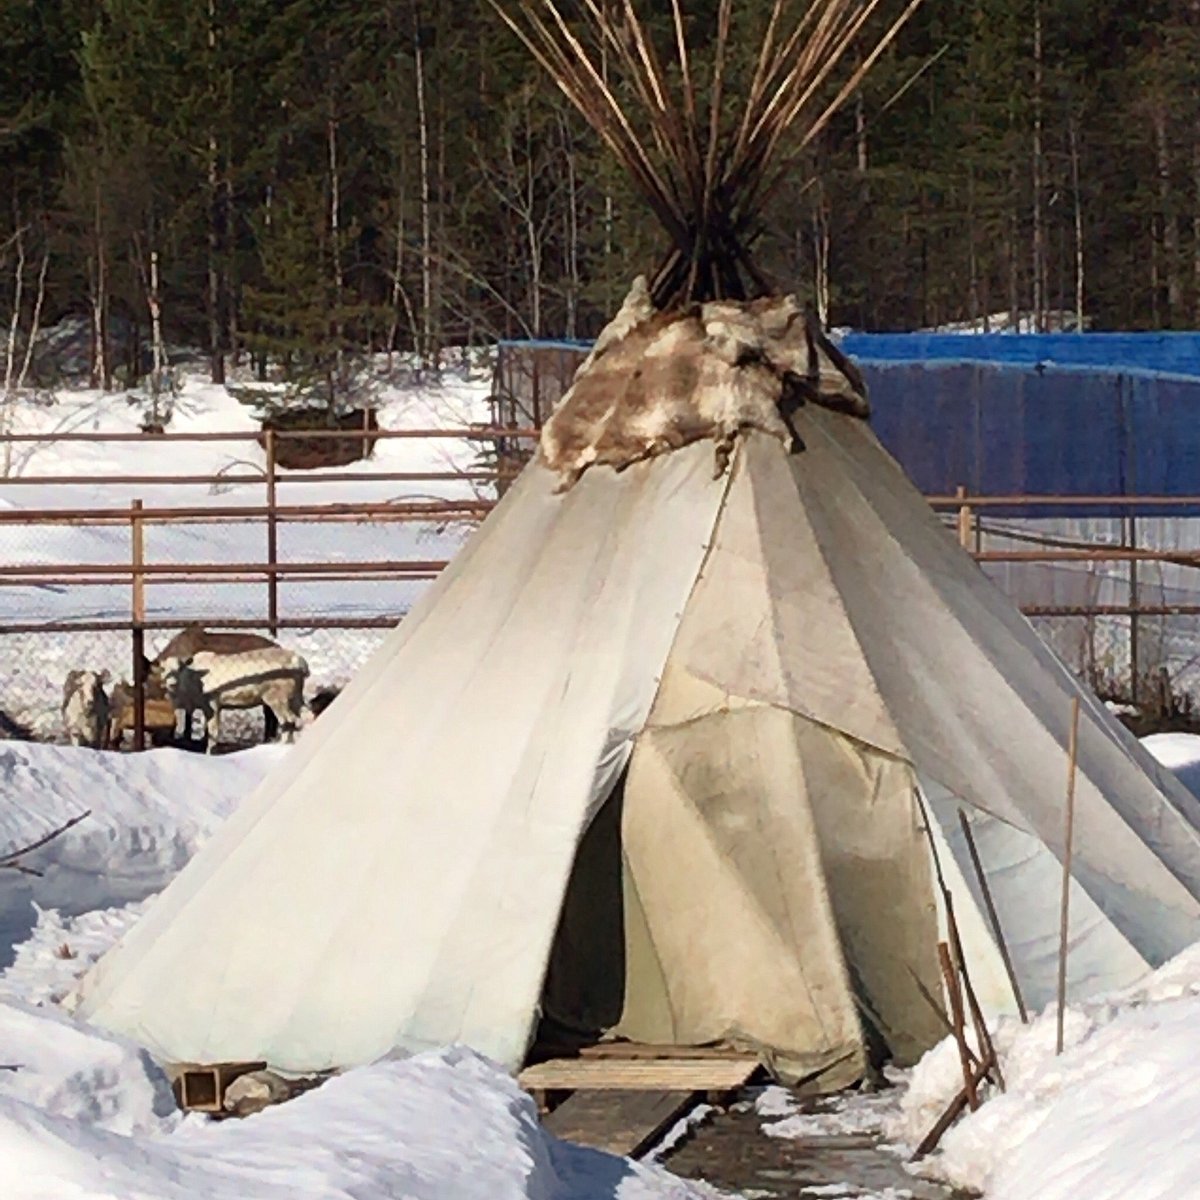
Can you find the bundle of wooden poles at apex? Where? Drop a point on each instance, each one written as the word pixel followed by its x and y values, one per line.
pixel 706 162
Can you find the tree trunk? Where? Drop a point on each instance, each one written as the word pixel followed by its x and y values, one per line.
pixel 1077 199
pixel 14 325
pixel 1168 215
pixel 101 373
pixel 425 349
pixel 216 357
pixel 571 232
pixel 158 348
pixel 1039 234
pixel 336 329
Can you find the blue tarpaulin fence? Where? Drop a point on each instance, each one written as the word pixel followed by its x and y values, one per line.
pixel 999 429
pixel 1067 414
pixel 1095 414
pixel 1176 353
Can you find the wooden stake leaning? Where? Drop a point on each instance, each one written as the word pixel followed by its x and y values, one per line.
pixel 1068 835
pixel 982 1034
pixel 930 1140
pixel 950 976
pixel 993 916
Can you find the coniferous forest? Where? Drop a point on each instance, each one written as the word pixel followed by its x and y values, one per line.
pixel 287 180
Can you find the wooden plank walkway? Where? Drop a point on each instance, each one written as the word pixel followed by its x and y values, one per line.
pixel 624 1096
pixel 619 1121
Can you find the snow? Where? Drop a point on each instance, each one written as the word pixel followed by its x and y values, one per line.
pixel 87 1116
pixel 849 1114
pixel 1113 1118
pixel 149 813
pixel 1179 752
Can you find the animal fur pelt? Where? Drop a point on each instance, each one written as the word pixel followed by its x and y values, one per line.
pixel 657 381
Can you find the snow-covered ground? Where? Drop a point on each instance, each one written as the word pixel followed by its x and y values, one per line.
pixel 85 1116
pixel 32 666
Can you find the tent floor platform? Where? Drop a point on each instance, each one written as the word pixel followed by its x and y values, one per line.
pixel 622 1096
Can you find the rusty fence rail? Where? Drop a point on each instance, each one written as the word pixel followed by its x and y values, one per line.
pixel 142 572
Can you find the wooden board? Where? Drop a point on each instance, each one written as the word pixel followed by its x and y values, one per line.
pixel 642 1050
pixel 639 1074
pixel 619 1121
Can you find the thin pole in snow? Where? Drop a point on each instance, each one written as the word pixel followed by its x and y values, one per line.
pixel 993 916
pixel 1064 915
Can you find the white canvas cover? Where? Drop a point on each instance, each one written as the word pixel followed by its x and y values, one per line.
pixel 807 679
pixel 398 881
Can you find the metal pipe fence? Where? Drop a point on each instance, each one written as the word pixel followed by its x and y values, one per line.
pixel 332 576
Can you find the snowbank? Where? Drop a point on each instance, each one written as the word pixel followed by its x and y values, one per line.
pixel 1179 752
pixel 444 1124
pixel 86 1115
pixel 1113 1118
pixel 149 813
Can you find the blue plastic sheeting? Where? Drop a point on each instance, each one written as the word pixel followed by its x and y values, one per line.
pixel 1010 430
pixel 1106 426
pixel 545 343
pixel 1178 353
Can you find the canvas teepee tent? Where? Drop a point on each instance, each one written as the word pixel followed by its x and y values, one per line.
pixel 675 747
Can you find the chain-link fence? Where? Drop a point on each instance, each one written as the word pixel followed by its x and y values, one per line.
pixel 1116 598
pixel 95 580
pixel 105 587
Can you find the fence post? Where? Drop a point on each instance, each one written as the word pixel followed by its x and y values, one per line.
pixel 137 538
pixel 272 539
pixel 964 518
pixel 1134 688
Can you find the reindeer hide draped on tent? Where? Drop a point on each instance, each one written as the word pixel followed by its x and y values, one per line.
pixel 665 756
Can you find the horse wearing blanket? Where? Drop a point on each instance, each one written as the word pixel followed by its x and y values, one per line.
pixel 272 677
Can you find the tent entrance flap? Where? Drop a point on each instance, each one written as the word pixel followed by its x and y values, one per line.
pixel 583 994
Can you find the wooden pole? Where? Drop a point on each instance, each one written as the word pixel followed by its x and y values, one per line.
pixel 1068 834
pixel 930 1140
pixel 954 995
pixel 964 518
pixel 1134 650
pixel 993 916
pixel 272 536
pixel 137 540
pixel 982 1033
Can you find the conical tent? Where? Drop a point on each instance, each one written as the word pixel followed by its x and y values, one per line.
pixel 778 687
pixel 681 746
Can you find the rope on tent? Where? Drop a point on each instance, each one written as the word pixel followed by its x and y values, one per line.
pixel 954 969
pixel 993 915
